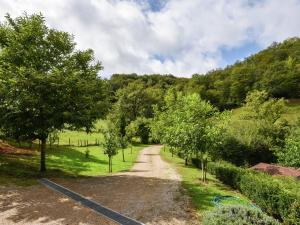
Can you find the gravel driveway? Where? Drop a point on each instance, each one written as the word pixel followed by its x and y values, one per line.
pixel 151 193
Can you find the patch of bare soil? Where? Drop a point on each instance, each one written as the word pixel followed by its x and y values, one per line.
pixel 151 193
pixel 38 205
pixel 6 148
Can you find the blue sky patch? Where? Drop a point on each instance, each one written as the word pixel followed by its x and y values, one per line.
pixel 156 5
pixel 230 56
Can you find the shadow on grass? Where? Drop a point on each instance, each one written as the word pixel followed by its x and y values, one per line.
pixel 71 160
pixel 201 196
pixel 61 162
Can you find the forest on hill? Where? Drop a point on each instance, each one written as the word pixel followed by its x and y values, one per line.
pixel 275 69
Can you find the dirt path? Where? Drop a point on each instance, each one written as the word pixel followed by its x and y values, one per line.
pixel 150 192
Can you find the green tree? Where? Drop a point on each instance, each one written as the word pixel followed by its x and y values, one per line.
pixel 45 83
pixel 110 143
pixel 188 124
pixel 131 132
pixel 195 129
pixel 141 128
pixel 120 122
pixel 123 145
pixel 257 132
pixel 289 155
pixel 162 129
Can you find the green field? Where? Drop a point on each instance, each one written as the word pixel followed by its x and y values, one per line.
pixel 202 194
pixel 62 161
pixel 292 113
pixel 78 138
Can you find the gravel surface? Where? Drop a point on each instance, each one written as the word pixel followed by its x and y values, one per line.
pixel 150 192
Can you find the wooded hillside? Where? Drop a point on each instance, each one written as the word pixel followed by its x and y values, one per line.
pixel 275 69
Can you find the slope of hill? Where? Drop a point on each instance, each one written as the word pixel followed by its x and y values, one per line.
pixel 275 69
pixel 292 113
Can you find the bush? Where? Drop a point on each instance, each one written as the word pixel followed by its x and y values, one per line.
pixel 238 215
pixel 278 197
pixel 227 173
pixel 290 154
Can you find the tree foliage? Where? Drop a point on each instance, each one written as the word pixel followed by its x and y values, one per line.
pixel 275 70
pixel 289 155
pixel 257 133
pixel 189 125
pixel 110 143
pixel 45 83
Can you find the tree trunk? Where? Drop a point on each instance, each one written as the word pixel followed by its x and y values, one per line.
pixel 43 155
pixel 205 169
pixel 186 161
pixel 123 155
pixel 111 164
pixel 202 169
pixel 172 152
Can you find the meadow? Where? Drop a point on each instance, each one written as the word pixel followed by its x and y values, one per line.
pixel 291 114
pixel 22 167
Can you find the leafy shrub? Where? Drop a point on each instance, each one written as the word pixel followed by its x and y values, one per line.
pixel 279 197
pixel 238 215
pixel 290 154
pixel 227 173
pixel 140 128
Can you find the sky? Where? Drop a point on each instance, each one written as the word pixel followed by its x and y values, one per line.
pixel 179 37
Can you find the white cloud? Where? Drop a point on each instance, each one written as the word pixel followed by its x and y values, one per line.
pixel 189 35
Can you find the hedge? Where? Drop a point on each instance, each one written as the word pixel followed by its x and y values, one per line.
pixel 278 197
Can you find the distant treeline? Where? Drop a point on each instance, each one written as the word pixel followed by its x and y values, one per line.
pixel 275 69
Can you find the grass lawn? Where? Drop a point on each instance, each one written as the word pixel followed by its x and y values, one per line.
pixel 202 194
pixel 292 113
pixel 77 138
pixel 62 161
